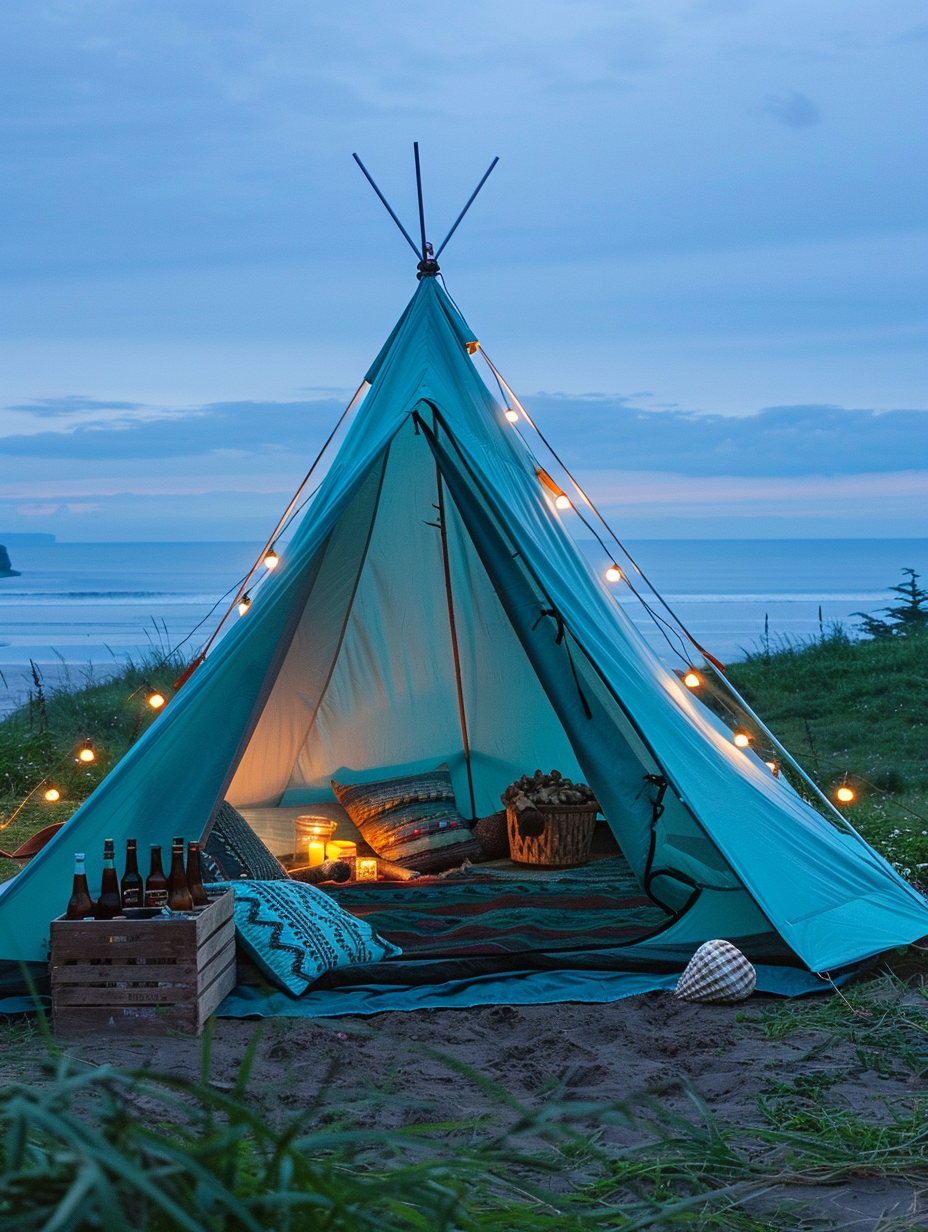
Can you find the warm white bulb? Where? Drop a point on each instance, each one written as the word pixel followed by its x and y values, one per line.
pixel 692 680
pixel 244 605
pixel 512 416
pixel 563 501
pixel 741 739
pixel 52 795
pixel 773 767
pixel 272 560
pixel 87 754
pixel 845 794
pixel 614 574
pixel 156 700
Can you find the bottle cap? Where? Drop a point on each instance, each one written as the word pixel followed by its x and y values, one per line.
pixel 78 855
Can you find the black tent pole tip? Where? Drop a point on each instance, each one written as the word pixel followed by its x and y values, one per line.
pixel 428 261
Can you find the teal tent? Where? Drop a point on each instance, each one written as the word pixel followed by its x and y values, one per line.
pixel 433 516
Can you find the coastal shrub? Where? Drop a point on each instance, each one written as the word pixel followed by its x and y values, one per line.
pixel 906 618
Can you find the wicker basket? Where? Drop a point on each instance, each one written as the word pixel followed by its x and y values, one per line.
pixel 567 837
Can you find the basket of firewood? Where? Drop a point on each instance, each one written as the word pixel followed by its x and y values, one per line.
pixel 550 819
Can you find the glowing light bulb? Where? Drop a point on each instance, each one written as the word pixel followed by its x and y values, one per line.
pixel 845 794
pixel 155 699
pixel 741 738
pixel 773 767
pixel 512 415
pixel 563 501
pixel 87 753
pixel 614 574
pixel 692 679
pixel 271 560
pixel 244 605
pixel 52 795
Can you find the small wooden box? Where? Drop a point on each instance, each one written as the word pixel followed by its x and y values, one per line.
pixel 142 975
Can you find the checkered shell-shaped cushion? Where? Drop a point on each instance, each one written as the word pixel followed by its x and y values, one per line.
pixel 412 820
pixel 295 932
pixel 717 972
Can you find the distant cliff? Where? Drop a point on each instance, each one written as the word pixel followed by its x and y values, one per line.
pixel 6 567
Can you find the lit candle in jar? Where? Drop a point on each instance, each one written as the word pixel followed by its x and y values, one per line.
pixel 315 832
pixel 365 870
pixel 341 849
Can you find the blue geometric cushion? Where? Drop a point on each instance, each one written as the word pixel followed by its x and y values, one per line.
pixel 295 932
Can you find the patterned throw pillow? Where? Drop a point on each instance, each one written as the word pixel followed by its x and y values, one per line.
pixel 295 932
pixel 412 820
pixel 233 850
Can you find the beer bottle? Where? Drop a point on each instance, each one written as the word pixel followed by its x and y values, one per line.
pixel 156 884
pixel 80 904
pixel 109 903
pixel 195 876
pixel 178 895
pixel 131 887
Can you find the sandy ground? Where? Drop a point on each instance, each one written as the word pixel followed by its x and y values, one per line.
pixel 650 1043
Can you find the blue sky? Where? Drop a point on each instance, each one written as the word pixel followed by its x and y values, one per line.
pixel 701 259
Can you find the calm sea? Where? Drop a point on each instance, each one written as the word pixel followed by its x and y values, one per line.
pixel 78 605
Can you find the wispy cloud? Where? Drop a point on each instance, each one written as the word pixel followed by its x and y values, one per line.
pixel 777 441
pixel 792 109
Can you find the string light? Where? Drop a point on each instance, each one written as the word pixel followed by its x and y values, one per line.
pixel 52 795
pixel 271 560
pixel 155 699
pixel 692 679
pixel 87 753
pixel 773 767
pixel 512 415
pixel 845 793
pixel 614 574
pixel 742 738
pixel 563 501
pixel 245 604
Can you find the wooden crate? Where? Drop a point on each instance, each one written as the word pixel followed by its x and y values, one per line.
pixel 142 975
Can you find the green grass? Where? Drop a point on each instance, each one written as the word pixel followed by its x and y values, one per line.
pixel 38 742
pixel 103 1148
pixel 884 1020
pixel 855 708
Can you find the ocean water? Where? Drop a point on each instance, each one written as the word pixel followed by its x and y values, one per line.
pixel 77 606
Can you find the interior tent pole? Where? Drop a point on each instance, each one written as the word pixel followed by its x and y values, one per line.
pixel 452 625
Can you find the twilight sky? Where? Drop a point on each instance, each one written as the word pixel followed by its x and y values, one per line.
pixel 701 260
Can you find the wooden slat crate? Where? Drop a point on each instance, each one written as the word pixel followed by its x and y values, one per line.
pixel 142 976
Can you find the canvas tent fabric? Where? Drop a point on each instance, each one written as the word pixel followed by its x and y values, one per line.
pixel 345 667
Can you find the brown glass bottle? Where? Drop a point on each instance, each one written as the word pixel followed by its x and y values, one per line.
pixel 195 876
pixel 80 904
pixel 156 884
pixel 178 895
pixel 109 903
pixel 131 888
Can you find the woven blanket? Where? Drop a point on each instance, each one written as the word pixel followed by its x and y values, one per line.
pixel 598 905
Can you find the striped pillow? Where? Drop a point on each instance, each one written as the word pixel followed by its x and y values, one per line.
pixel 411 820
